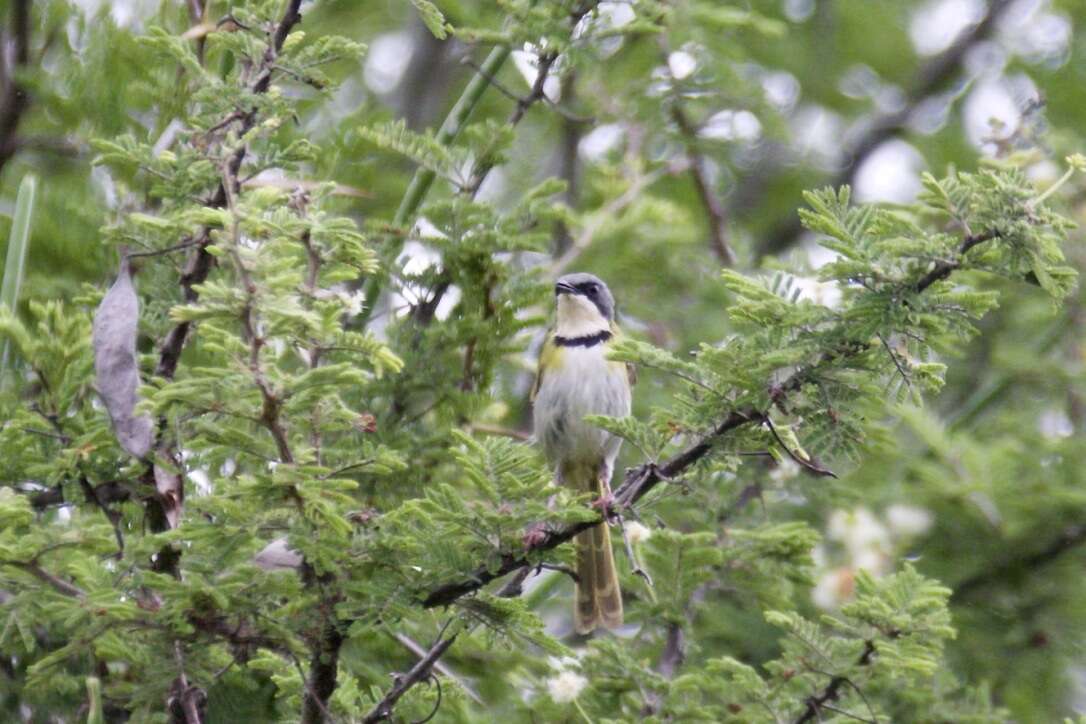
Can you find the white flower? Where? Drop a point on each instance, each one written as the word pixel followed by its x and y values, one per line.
pixel 833 588
pixel 908 520
pixel 858 530
pixel 681 64
pixel 637 533
pixel 566 687
pixel 818 555
pixel 872 560
pixel 353 302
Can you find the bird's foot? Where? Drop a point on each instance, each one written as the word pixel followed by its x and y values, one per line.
pixel 535 535
pixel 605 504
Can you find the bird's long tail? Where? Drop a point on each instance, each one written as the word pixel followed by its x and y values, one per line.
pixel 598 599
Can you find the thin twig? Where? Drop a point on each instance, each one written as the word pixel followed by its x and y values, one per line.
pixel 310 694
pixel 161 252
pixel 559 568
pixel 488 429
pixel 714 210
pixel 348 468
pixel 419 672
pixel 893 357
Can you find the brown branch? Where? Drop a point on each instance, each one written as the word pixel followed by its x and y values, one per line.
pixel 674 651
pixel 930 77
pixel 718 228
pixel 187 701
pixel 1068 540
pixel 112 492
pixel 200 262
pixel 485 165
pixel 14 99
pixel 414 647
pixel 418 673
pixel 58 584
pixel 323 670
pixel 637 482
pixel 943 269
pixel 198 268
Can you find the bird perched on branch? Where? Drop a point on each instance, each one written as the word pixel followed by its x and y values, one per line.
pixel 576 379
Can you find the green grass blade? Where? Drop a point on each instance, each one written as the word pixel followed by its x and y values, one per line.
pixel 18 243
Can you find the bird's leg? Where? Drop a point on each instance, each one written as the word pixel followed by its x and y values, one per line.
pixel 614 517
pixel 605 503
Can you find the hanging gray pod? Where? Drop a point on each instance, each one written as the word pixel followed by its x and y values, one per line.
pixel 116 366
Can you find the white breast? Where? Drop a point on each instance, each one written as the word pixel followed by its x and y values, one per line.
pixel 586 384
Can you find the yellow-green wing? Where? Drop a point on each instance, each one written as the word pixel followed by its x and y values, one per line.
pixel 548 354
pixel 631 370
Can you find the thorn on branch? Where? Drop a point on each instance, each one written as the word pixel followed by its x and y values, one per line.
pixel 437 704
pixel 559 568
pixel 805 463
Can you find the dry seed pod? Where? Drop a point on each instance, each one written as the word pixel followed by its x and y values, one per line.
pixel 116 366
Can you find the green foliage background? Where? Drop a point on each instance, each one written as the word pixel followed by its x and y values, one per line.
pixel 856 484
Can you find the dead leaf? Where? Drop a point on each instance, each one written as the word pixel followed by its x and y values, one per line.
pixel 116 366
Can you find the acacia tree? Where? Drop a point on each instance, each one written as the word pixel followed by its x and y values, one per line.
pixel 275 471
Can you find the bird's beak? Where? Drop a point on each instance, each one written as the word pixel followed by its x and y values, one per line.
pixel 563 288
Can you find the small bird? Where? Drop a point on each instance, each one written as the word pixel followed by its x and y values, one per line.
pixel 576 379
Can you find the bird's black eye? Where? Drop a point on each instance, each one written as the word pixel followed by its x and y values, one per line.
pixel 592 289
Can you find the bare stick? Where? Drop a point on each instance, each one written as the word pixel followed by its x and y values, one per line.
pixel 419 672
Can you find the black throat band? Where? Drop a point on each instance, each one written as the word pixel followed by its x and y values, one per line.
pixel 588 340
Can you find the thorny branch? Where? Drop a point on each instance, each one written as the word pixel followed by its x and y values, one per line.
pixel 200 262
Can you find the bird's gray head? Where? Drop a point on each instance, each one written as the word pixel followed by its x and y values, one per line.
pixel 591 287
pixel 585 305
